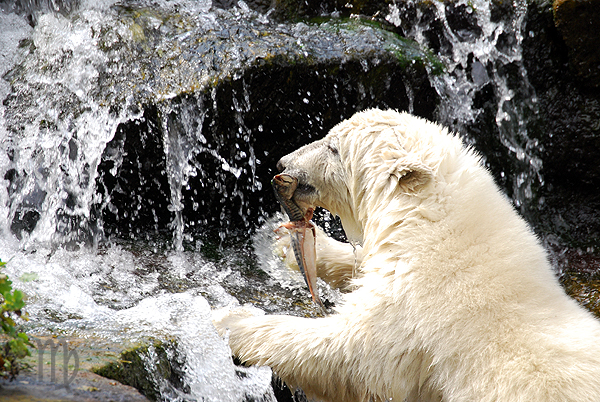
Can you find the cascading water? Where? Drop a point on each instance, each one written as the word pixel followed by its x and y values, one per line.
pixel 57 122
pixel 480 45
pixel 130 156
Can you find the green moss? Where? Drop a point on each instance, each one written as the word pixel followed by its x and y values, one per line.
pixel 144 367
pixel 137 32
pixel 406 51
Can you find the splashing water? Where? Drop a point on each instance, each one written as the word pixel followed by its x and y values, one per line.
pixel 125 297
pixel 56 124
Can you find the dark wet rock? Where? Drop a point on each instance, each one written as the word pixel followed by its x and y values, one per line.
pixel 566 126
pixel 283 393
pixel 577 21
pixel 285 106
pixel 585 288
pixel 290 10
pixel 245 122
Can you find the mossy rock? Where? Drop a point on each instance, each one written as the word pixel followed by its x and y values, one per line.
pixel 287 85
pixel 145 367
pixel 288 92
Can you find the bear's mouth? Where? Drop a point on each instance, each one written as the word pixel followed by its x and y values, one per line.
pixel 304 196
pixel 294 196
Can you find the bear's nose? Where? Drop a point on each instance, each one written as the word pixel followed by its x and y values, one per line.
pixel 280 165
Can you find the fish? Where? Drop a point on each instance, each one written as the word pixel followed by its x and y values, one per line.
pixel 285 186
pixel 302 231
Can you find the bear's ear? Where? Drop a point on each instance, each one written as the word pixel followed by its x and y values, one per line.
pixel 412 175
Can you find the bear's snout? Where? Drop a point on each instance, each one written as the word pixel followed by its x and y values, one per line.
pixel 300 158
pixel 286 165
pixel 280 165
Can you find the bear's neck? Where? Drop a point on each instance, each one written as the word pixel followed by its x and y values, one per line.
pixel 403 223
pixel 398 217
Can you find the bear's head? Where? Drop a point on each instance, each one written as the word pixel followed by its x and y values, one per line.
pixel 366 162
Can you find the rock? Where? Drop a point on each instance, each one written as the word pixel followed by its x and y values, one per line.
pixel 247 91
pixel 289 10
pixel 87 387
pixel 578 22
pixel 585 288
pixel 290 105
pixel 281 98
pixel 567 129
pixel 131 369
pixel 45 378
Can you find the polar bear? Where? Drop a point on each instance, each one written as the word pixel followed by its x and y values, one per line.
pixel 454 299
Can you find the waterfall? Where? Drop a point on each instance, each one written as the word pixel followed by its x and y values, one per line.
pixel 480 44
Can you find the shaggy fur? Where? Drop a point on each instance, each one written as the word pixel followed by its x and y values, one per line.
pixel 454 299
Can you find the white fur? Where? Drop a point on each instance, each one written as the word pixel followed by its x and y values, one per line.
pixel 454 299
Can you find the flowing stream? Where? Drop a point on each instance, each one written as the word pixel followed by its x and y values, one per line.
pixel 96 258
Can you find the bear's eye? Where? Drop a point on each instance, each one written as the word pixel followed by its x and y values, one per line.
pixel 332 149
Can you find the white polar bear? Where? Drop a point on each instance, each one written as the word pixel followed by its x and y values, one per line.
pixel 454 299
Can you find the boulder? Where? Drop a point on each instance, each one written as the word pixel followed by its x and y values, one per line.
pixel 577 21
pixel 568 132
